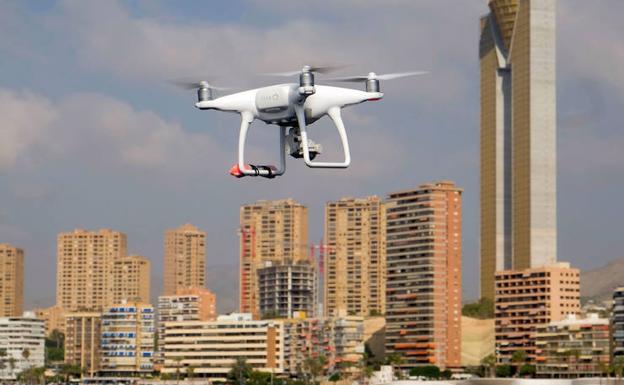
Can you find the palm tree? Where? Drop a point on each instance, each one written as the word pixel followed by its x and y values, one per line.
pixel 395 360
pixel 178 360
pixel 489 362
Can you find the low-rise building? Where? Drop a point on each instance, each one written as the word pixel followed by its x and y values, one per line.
pixel 211 347
pixel 127 339
pixel 530 298
pixel 617 323
pixel 82 340
pixel 23 340
pixel 573 347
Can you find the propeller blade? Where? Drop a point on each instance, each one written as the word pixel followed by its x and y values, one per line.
pixel 400 75
pixel 191 85
pixel 321 69
pixel 350 79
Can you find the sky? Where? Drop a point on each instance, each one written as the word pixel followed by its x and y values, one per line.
pixel 93 135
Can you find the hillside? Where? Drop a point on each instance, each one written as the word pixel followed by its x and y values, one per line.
pixel 598 284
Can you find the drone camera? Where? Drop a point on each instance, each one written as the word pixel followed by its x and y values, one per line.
pixel 293 139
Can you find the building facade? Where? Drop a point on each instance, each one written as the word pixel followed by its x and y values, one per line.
pixel 23 340
pixel 127 339
pixel 53 318
pixel 211 347
pixel 84 273
pixel 11 281
pixel 190 304
pixel 528 299
pixel 573 347
pixel 82 340
pixel 185 259
pixel 518 132
pixel 286 288
pixel 269 231
pixel 131 276
pixel 355 260
pixel 423 300
pixel 617 323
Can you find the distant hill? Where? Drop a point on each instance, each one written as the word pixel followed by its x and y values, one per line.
pixel 598 284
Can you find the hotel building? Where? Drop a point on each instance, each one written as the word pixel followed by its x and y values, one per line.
pixel 19 334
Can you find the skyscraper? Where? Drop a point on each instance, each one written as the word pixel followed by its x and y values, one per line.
pixel 131 275
pixel 11 280
pixel 273 231
pixel 287 288
pixel 185 258
pixel 423 289
pixel 84 273
pixel 355 260
pixel 518 133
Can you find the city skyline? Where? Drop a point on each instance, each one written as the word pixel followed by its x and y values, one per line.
pixel 135 179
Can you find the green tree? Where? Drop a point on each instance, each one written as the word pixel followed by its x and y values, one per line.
pixel 446 374
pixel 527 370
pixel 482 309
pixel 504 371
pixel 68 371
pixel 190 371
pixel 431 372
pixel 31 375
pixel 395 360
pixel 314 367
pixel 335 377
pixel 3 358
pixel 239 372
pixel 489 363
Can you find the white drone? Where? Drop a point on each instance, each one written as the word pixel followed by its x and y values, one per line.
pixel 292 107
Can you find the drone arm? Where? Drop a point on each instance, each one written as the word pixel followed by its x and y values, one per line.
pixel 334 114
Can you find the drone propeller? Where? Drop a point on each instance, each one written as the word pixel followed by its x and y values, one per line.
pixel 374 76
pixel 320 69
pixel 191 85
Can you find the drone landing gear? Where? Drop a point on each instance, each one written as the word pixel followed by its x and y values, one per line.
pixel 309 153
pixel 242 169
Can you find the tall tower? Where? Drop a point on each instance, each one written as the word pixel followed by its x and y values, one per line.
pixel 185 258
pixel 518 138
pixel 423 289
pixel 11 281
pixel 355 261
pixel 84 273
pixel 274 231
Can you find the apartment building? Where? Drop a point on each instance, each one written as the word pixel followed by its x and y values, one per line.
pixel 423 288
pixel 11 280
pixel 82 340
pixel 528 299
pixel 355 260
pixel 287 288
pixel 185 259
pixel 19 335
pixel 131 279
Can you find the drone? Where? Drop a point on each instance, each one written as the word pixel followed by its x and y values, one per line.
pixel 293 107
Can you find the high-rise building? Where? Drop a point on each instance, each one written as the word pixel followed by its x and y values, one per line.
pixel 185 258
pixel 528 299
pixel 131 279
pixel 127 339
pixel 573 347
pixel 82 340
pixel 17 335
pixel 518 132
pixel 84 273
pixel 287 288
pixel 355 257
pixel 269 231
pixel 617 323
pixel 11 280
pixel 211 347
pixel 423 289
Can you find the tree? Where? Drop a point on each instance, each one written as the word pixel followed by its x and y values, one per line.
pixel 431 372
pixel 489 363
pixel 503 371
pixel 395 360
pixel 190 370
pixel 177 360
pixel 482 309
pixel 57 338
pixel 31 375
pixel 527 370
pixel 68 371
pixel 3 355
pixel 314 366
pixel 240 371
pixel 446 374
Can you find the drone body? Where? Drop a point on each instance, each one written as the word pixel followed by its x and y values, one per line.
pixel 292 107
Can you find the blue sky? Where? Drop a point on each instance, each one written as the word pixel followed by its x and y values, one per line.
pixel 92 135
